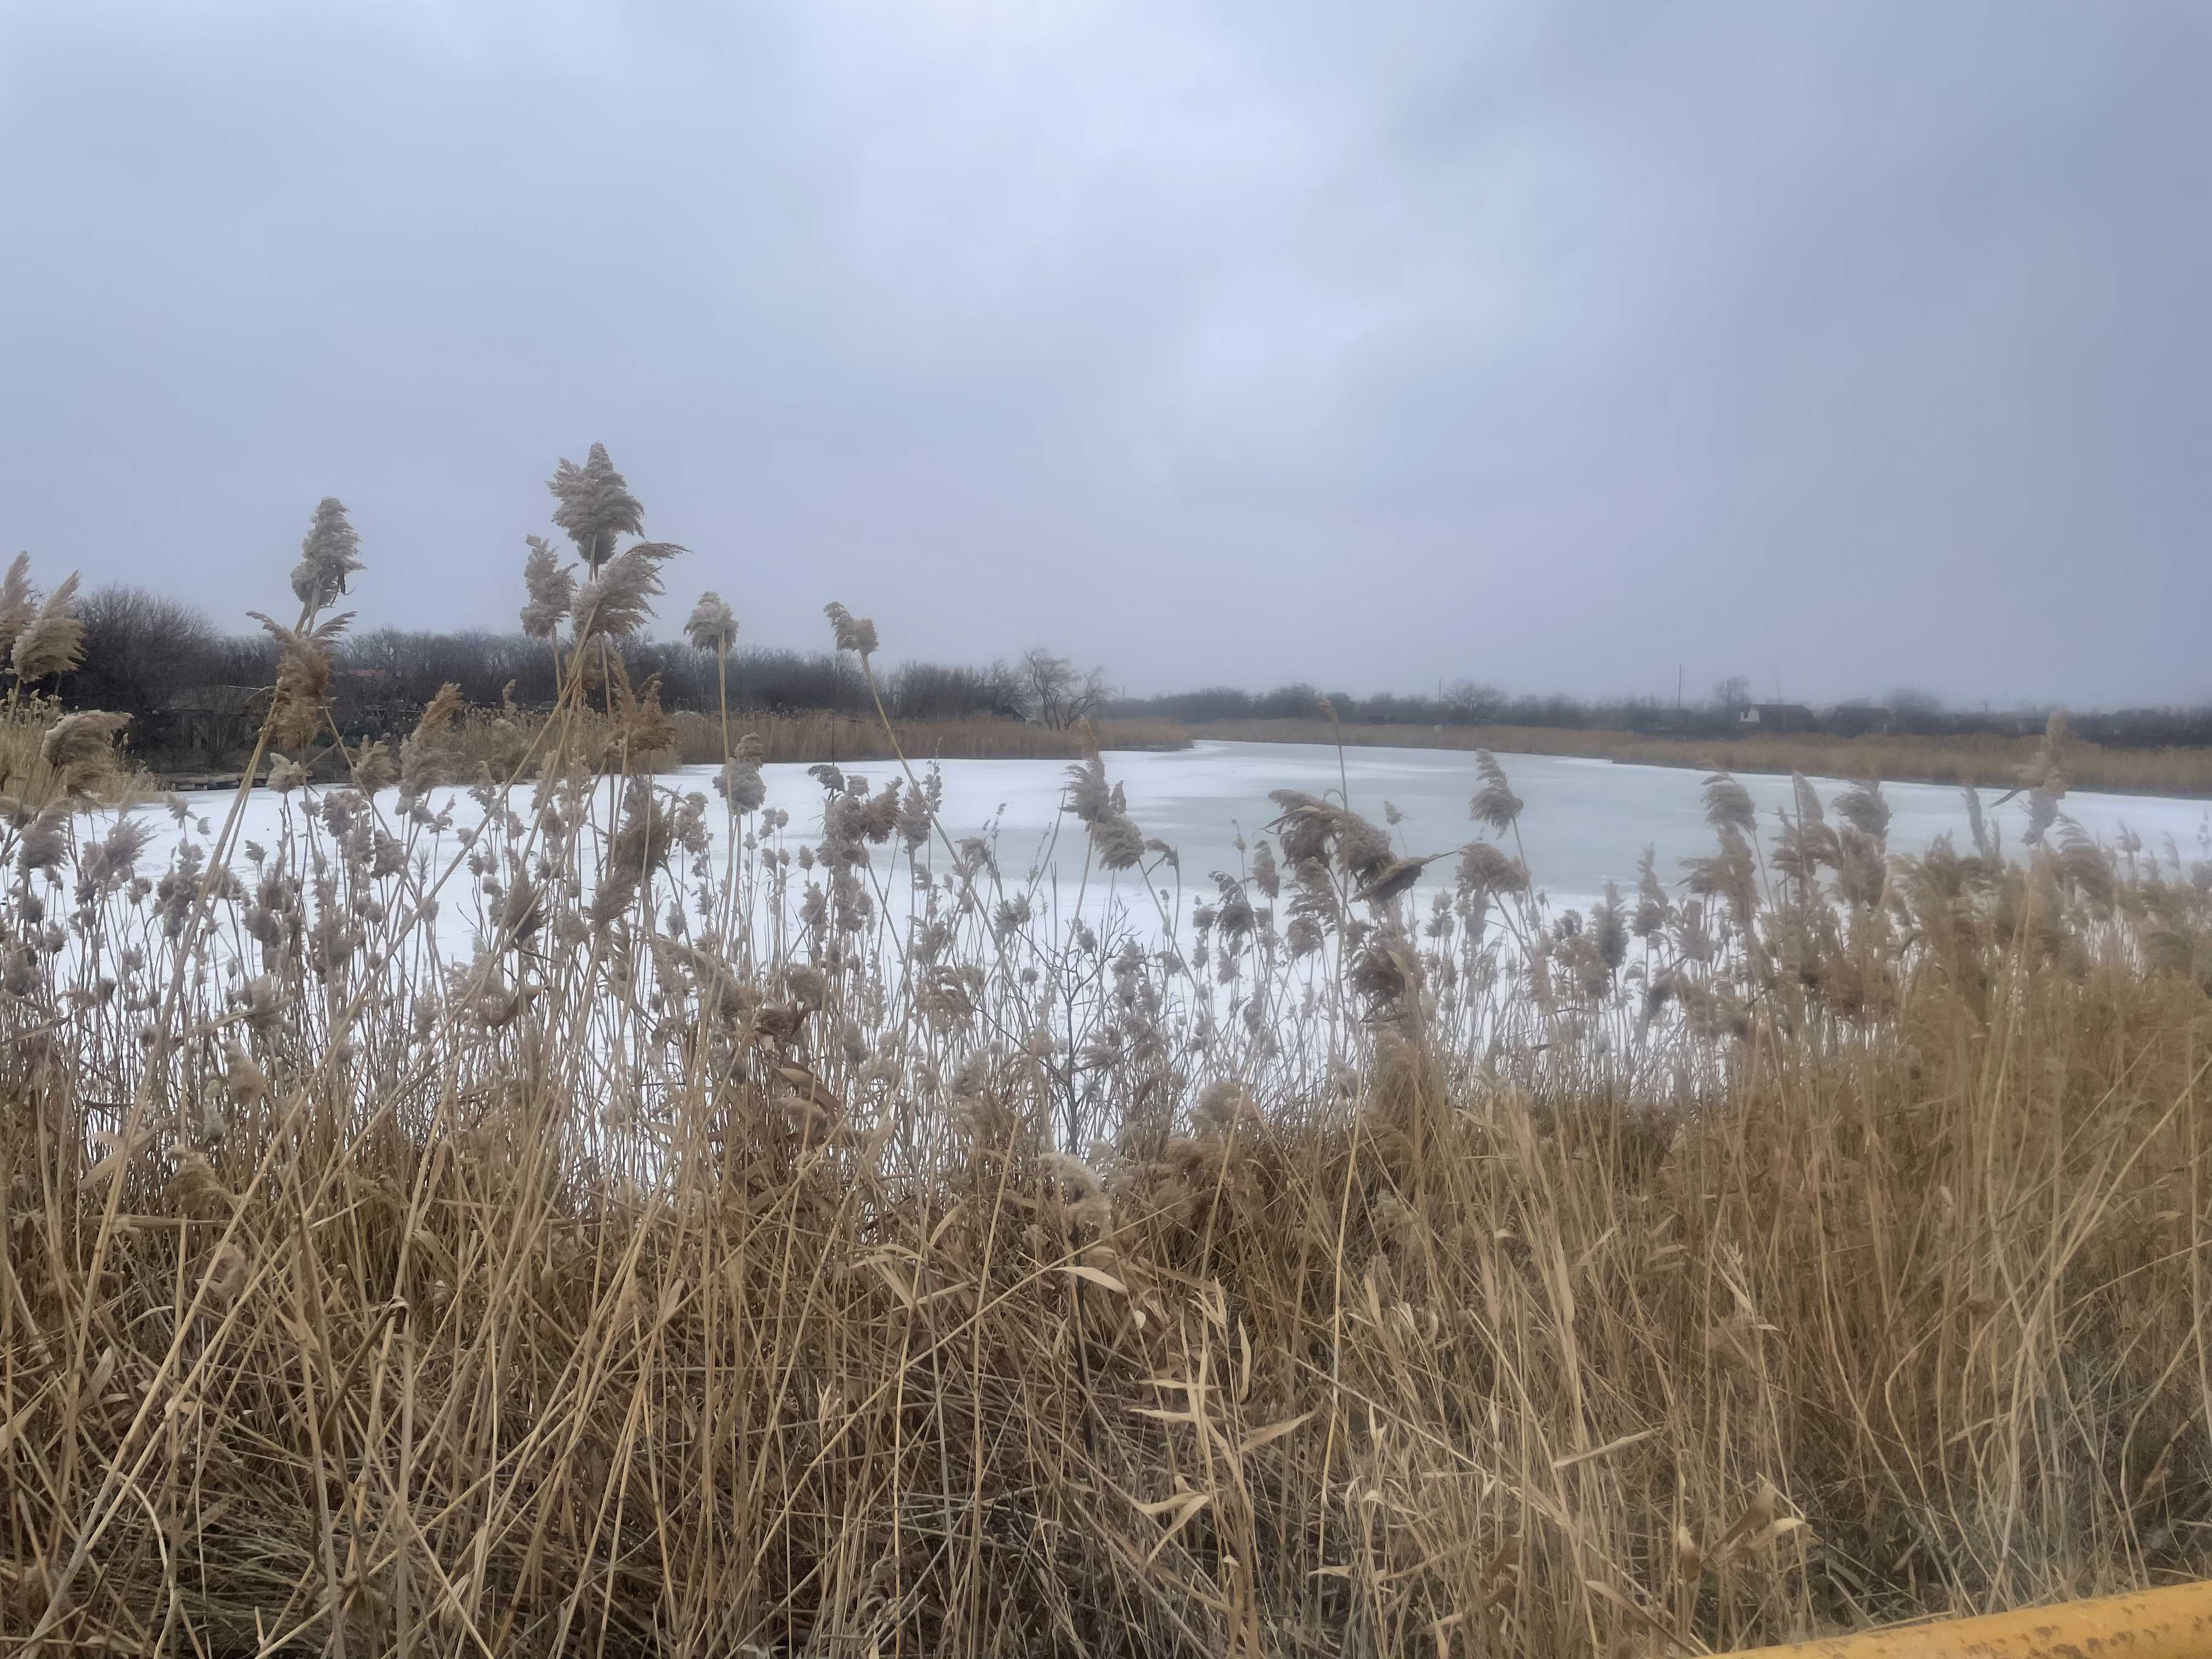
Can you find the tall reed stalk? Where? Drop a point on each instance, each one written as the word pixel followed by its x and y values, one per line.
pixel 505 1217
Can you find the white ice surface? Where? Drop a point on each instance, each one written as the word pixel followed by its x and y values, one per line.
pixel 1586 821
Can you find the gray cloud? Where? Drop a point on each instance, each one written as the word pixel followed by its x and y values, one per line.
pixel 1555 345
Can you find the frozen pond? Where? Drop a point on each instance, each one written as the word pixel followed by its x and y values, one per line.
pixel 1586 822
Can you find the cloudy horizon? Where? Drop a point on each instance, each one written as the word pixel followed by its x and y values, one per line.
pixel 1561 347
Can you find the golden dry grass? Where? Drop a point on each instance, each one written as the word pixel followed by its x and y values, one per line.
pixel 1983 762
pixel 826 737
pixel 414 1365
pixel 699 1242
pixel 25 775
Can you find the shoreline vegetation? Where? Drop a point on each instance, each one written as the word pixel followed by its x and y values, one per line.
pixel 1984 762
pixel 480 739
pixel 697 739
pixel 732 1240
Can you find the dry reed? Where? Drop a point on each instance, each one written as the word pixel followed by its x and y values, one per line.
pixel 46 753
pixel 497 740
pixel 757 1247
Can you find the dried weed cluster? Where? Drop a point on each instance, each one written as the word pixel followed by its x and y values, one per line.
pixel 752 1242
pixel 50 760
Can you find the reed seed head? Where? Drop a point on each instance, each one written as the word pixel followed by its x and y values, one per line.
pixel 83 741
pixel 595 505
pixel 328 558
pixel 18 604
pixel 713 626
pixel 52 641
pixel 1494 804
pixel 552 588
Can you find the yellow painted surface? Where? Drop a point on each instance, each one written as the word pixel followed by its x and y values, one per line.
pixel 2162 1624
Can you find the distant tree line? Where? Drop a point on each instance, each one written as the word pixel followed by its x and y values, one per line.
pixel 162 661
pixel 1468 702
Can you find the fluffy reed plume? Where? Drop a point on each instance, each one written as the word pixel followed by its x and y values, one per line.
pixel 639 727
pixel 852 633
pixel 428 753
pixel 1494 804
pixel 713 626
pixel 2045 779
pixel 596 508
pixel 1865 809
pixel 1728 805
pixel 328 558
pixel 1115 840
pixel 552 589
pixel 303 676
pixel 102 866
pixel 52 641
pixel 1731 873
pixel 45 841
pixel 18 604
pixel 1985 843
pixel 81 742
pixel 638 850
pixel 1310 829
pixel 1488 869
pixel 618 598
pixel 2046 770
pixel 1395 878
pixel 376 767
pixel 1265 874
pixel 1807 800
pixel 740 782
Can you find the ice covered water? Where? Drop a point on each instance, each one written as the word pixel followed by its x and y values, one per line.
pixel 1586 821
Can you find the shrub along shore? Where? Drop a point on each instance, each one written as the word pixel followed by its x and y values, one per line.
pixel 497 740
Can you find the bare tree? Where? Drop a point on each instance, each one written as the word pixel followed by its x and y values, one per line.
pixel 1298 700
pixel 1733 695
pixel 925 690
pixel 1056 694
pixel 1915 710
pixel 1471 703
pixel 141 649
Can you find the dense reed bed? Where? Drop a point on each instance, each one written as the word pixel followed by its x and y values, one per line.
pixel 643 740
pixel 28 776
pixel 1983 762
pixel 809 1240
pixel 825 736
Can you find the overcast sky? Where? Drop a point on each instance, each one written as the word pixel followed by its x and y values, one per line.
pixel 1559 345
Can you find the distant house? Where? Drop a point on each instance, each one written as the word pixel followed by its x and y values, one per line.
pixel 1778 717
pixel 1856 720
